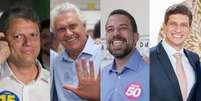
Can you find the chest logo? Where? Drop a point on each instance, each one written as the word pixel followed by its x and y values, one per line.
pixel 8 96
pixel 133 91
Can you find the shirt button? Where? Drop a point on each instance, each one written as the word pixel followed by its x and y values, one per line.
pixel 116 90
pixel 119 77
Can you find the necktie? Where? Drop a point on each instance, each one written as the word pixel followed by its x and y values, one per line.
pixel 181 76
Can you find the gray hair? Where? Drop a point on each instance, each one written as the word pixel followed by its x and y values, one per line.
pixel 64 7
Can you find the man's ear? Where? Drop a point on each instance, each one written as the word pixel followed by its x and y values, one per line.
pixel 2 36
pixel 162 31
pixel 136 37
pixel 190 29
pixel 84 24
pixel 163 26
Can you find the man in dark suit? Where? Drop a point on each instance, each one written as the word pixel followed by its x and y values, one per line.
pixel 198 92
pixel 173 69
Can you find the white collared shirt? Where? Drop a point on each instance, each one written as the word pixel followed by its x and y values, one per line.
pixel 190 74
pixel 36 90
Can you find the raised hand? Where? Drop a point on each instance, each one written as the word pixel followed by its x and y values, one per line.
pixel 4 49
pixel 88 86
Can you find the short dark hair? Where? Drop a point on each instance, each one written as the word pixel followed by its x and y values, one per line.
pixel 178 9
pixel 125 13
pixel 44 24
pixel 17 11
pixel 96 32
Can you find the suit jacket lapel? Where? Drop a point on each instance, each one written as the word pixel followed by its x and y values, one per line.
pixel 192 62
pixel 168 69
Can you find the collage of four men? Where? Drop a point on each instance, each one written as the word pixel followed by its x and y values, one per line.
pixel 76 73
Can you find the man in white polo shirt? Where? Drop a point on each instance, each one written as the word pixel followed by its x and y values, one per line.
pixel 21 73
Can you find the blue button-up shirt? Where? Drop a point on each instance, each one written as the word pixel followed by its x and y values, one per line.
pixel 131 84
pixel 64 71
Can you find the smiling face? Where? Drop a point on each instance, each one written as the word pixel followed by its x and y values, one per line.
pixel 24 41
pixel 120 37
pixel 176 30
pixel 71 31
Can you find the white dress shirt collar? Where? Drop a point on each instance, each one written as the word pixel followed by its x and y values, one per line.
pixel 170 50
pixel 7 72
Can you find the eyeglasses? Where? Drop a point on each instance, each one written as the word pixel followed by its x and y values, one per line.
pixel 19 37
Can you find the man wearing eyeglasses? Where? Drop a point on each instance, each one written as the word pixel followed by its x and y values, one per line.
pixel 21 74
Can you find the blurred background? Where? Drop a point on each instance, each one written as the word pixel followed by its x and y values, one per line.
pixel 42 7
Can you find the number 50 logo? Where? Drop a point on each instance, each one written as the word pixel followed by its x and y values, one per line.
pixel 8 96
pixel 133 91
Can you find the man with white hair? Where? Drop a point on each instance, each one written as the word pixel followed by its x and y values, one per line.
pixel 70 28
